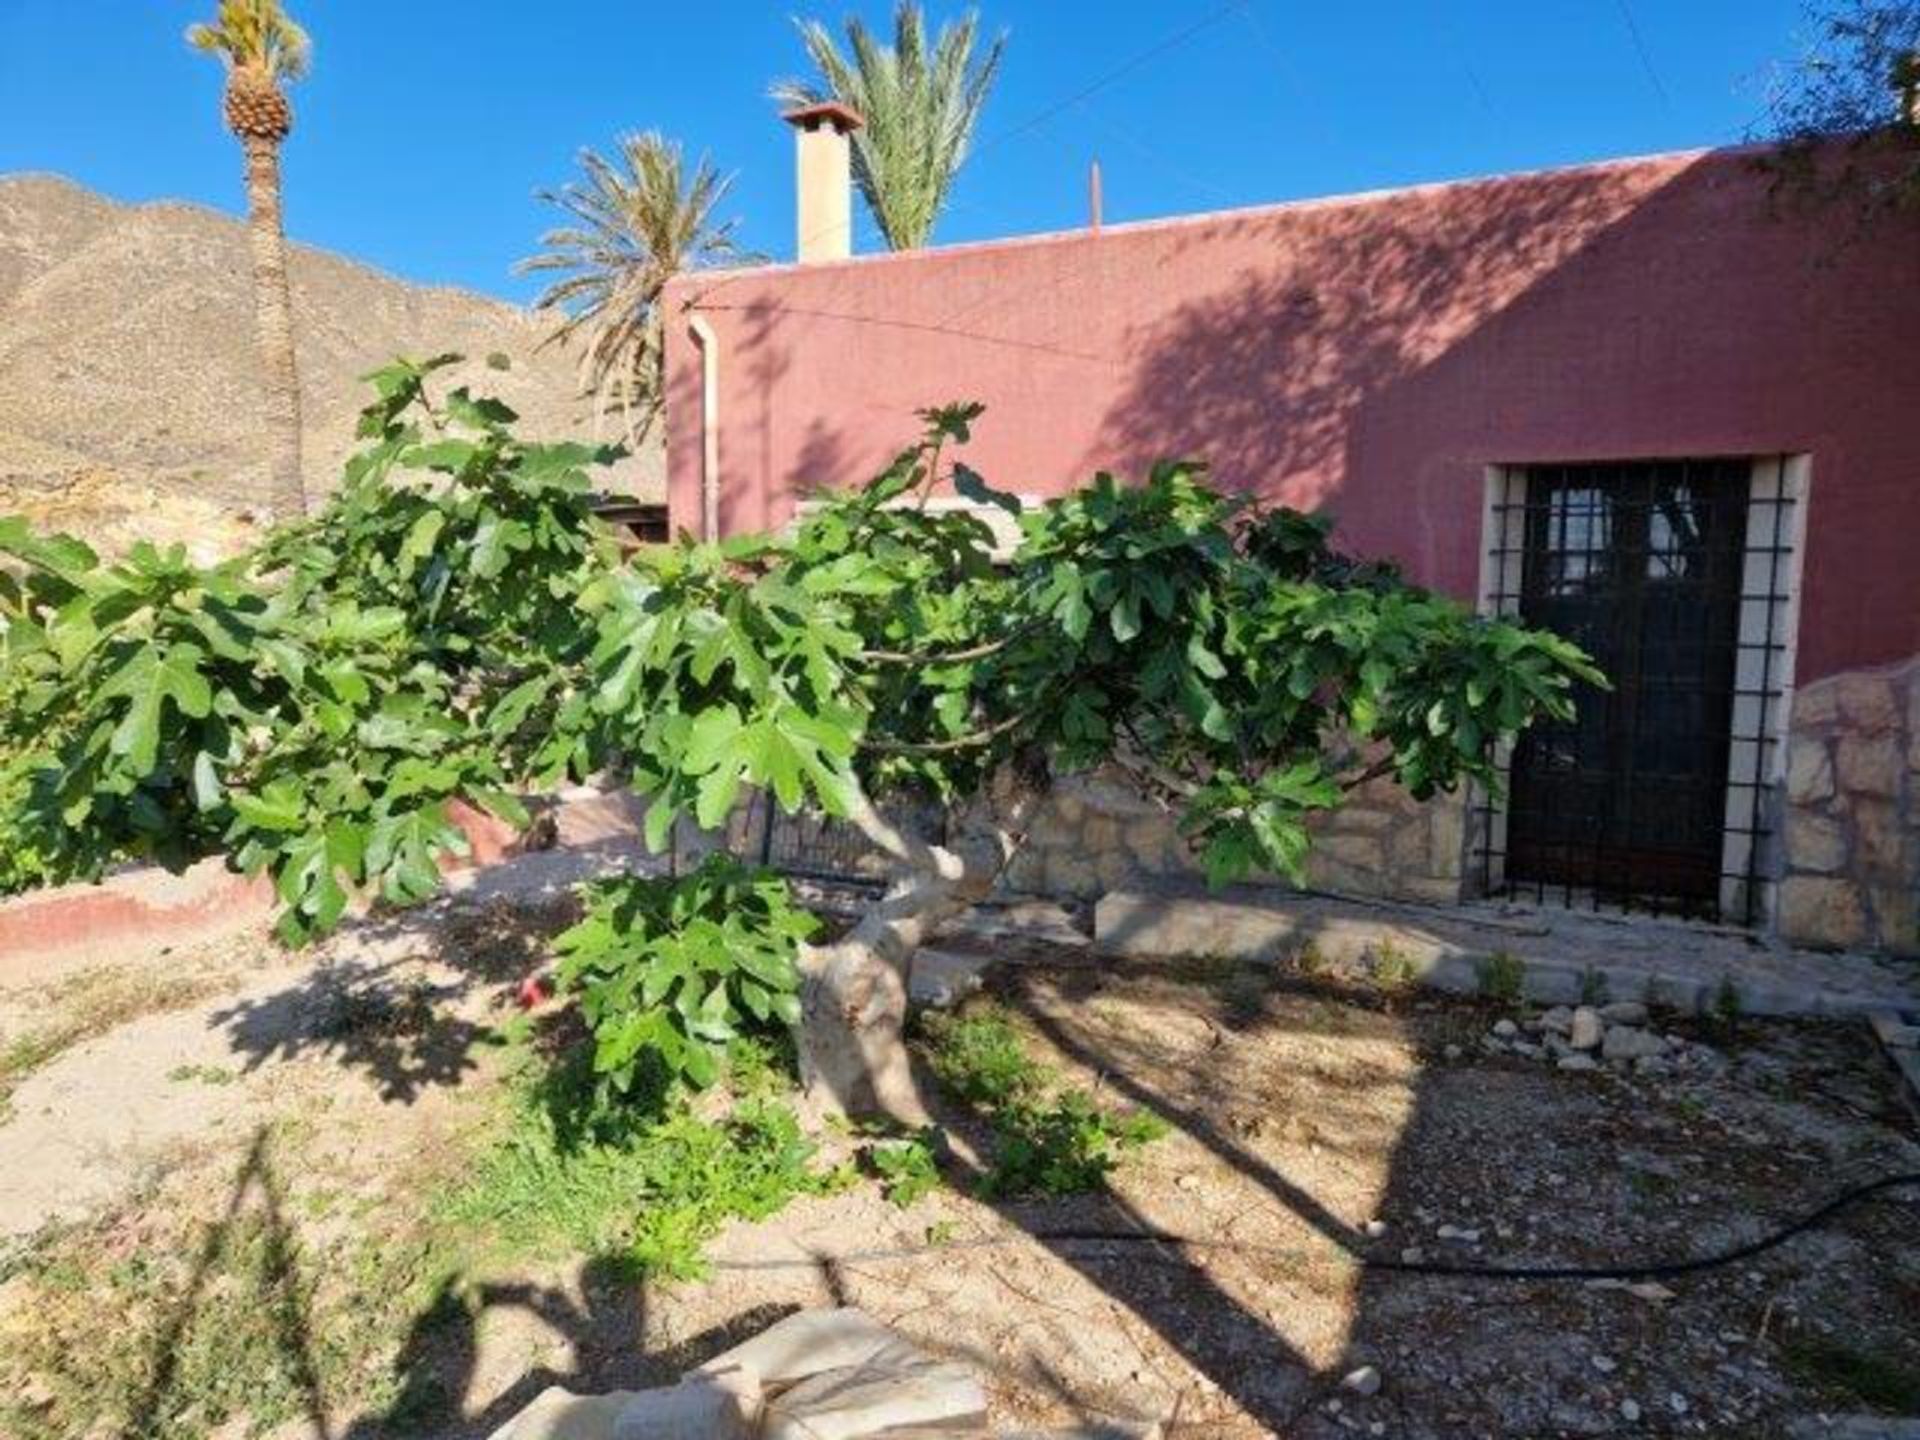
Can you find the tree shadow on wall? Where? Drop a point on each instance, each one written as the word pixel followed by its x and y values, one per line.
pixel 1264 376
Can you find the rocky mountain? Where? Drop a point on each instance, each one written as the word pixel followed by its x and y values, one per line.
pixel 128 399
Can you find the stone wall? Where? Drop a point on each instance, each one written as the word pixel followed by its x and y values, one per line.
pixel 1851 821
pixel 1097 834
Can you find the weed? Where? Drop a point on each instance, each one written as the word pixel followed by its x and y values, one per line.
pixel 1727 1008
pixel 1593 986
pixel 1871 1377
pixel 979 1057
pixel 1310 960
pixel 1502 977
pixel 941 1232
pixel 907 1169
pixel 1050 1141
pixel 657 1186
pixel 205 1074
pixel 1067 1146
pixel 1393 968
pixel 214 1322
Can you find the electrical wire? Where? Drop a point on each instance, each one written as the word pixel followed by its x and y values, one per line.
pixel 1649 1270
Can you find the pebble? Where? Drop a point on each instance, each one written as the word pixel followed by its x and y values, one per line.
pixel 1505 1029
pixel 1677 1403
pixel 1623 1042
pixel 1188 1182
pixel 1559 1019
pixel 1364 1381
pixel 1630 1411
pixel 1605 1365
pixel 1458 1232
pixel 1412 1255
pixel 1454 1052
pixel 1624 1012
pixel 1578 1062
pixel 1375 1229
pixel 1586 1030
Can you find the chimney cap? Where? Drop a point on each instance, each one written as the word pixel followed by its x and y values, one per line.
pixel 843 118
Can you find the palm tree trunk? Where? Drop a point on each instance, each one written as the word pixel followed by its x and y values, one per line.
pixel 273 317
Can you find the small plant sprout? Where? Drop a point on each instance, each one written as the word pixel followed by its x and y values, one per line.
pixel 1393 967
pixel 1049 1139
pixel 1727 1007
pixel 907 1169
pixel 1502 977
pixel 1593 986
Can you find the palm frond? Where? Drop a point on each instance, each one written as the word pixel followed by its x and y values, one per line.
pixel 920 106
pixel 633 221
pixel 255 35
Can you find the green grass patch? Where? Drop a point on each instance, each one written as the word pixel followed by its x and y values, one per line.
pixel 177 1327
pixel 170 1322
pixel 650 1185
pixel 1050 1138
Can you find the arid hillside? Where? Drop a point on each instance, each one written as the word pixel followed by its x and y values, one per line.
pixel 128 400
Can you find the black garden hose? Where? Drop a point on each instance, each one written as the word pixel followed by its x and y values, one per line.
pixel 1651 1270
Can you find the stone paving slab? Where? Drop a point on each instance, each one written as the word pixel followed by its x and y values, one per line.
pixel 1562 954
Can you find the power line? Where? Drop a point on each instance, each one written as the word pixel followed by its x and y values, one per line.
pixel 1119 72
pixel 1640 49
pixel 1040 117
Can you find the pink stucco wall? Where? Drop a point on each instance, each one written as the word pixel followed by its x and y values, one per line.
pixel 1371 355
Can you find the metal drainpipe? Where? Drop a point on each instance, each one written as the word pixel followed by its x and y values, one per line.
pixel 709 344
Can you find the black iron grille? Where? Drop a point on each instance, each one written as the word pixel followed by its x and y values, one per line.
pixel 1654 797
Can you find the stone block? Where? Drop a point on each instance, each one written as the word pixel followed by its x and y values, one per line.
pixel 1867 702
pixel 558 1414
pixel 1822 910
pixel 1809 771
pixel 897 1389
pixel 1114 866
pixel 1358 820
pixel 1884 843
pixel 1625 1042
pixel 706 1405
pixel 1896 913
pixel 1447 837
pixel 1816 705
pixel 1408 851
pixel 807 1343
pixel 1071 874
pixel 1869 764
pixel 1815 842
pixel 1151 840
pixel 1362 852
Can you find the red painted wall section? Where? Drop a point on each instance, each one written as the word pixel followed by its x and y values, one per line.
pixel 1371 355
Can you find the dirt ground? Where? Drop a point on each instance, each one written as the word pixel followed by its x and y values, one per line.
pixel 1316 1122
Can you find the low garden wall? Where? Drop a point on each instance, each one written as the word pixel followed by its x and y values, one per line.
pixel 1096 834
pixel 1851 869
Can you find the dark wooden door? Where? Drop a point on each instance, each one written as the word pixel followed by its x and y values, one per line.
pixel 1640 564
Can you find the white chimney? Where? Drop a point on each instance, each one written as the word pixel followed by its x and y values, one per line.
pixel 823 176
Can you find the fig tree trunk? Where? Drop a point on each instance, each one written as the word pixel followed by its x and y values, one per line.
pixel 853 1053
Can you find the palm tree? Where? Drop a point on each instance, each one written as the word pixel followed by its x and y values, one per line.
pixel 262 49
pixel 919 107
pixel 634 222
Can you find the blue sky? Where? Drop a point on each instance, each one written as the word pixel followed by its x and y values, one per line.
pixel 427 124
